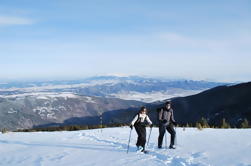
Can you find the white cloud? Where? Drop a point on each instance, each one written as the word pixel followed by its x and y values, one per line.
pixel 10 20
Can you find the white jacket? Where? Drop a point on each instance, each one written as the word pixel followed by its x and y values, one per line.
pixel 141 118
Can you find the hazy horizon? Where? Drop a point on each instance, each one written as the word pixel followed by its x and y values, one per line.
pixel 39 79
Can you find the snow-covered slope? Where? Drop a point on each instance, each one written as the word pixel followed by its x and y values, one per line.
pixel 214 147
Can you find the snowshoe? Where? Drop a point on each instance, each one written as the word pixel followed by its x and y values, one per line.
pixel 140 149
pixel 172 147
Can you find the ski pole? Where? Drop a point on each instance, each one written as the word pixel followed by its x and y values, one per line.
pixel 149 136
pixel 165 140
pixel 175 140
pixel 129 141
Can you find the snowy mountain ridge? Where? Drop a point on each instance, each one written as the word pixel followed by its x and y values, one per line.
pixel 129 88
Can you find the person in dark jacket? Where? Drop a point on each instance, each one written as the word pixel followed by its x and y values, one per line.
pixel 166 122
pixel 139 122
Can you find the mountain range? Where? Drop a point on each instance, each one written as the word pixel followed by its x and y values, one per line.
pixel 66 103
pixel 128 88
pixel 233 103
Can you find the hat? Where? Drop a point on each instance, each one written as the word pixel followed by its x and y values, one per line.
pixel 168 102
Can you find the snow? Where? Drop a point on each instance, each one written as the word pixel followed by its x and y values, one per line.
pixel 147 97
pixel 153 96
pixel 46 112
pixel 89 99
pixel 214 147
pixel 43 95
pixel 12 111
pixel 63 86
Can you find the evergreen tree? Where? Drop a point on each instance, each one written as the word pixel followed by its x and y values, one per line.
pixel 225 124
pixel 245 124
pixel 204 123
pixel 198 125
pixel 4 130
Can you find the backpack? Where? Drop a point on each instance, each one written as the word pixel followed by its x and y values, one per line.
pixel 158 110
pixel 140 123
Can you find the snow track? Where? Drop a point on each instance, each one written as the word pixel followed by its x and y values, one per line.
pixel 108 147
pixel 159 155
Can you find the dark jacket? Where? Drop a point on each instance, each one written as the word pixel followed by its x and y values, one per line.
pixel 166 115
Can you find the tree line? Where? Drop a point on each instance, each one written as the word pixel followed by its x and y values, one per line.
pixel 200 124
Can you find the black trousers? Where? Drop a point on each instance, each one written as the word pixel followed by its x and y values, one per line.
pixel 141 131
pixel 171 131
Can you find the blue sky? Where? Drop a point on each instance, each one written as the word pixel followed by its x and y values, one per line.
pixel 60 39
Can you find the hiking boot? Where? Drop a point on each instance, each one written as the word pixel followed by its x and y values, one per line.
pixel 172 147
pixel 140 149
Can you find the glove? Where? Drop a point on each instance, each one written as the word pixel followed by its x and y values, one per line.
pixel 131 126
pixel 175 123
pixel 164 121
pixel 151 125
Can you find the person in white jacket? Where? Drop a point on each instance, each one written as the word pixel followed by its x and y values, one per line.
pixel 139 122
